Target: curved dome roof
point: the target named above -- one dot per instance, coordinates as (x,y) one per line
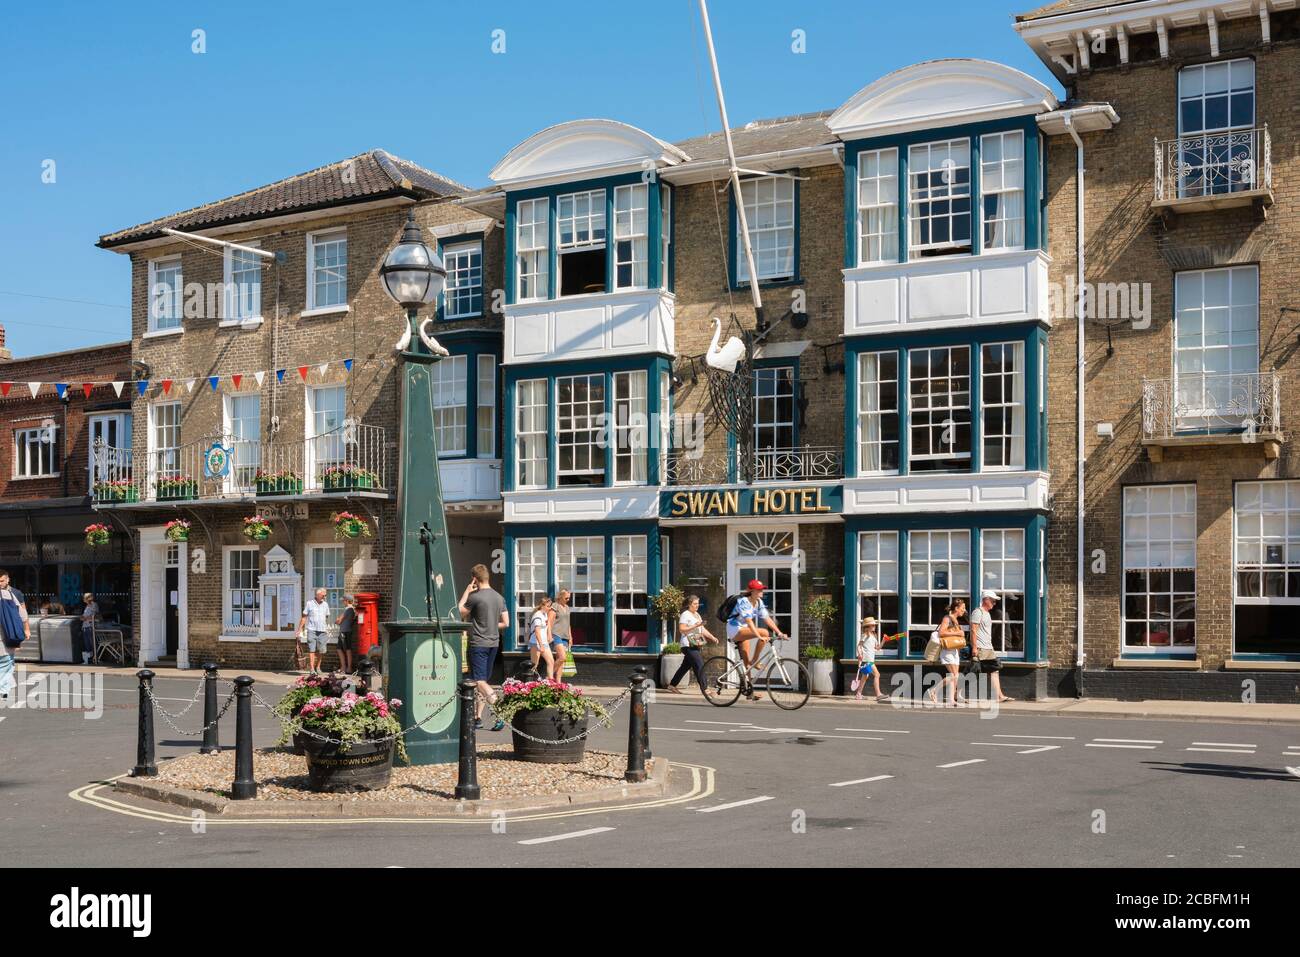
(583,147)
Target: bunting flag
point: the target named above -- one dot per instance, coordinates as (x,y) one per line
(213,380)
(302,373)
(33,388)
(5,387)
(279,375)
(189,385)
(142,386)
(236,379)
(61,388)
(322,367)
(259,376)
(87,388)
(117,387)
(347,364)
(167,386)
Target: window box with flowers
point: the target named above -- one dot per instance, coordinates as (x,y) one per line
(256,528)
(348,733)
(348,477)
(283,482)
(115,490)
(347,525)
(98,535)
(175,487)
(177,530)
(545,717)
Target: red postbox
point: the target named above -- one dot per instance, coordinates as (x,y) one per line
(367,621)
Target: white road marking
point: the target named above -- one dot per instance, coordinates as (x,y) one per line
(1135,747)
(692,730)
(743,724)
(728,807)
(1224,750)
(565,837)
(878,777)
(1221,744)
(996,744)
(2,717)
(958,764)
(1037,737)
(1129,740)
(844,737)
(874,730)
(1041,748)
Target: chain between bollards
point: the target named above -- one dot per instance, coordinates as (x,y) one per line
(636,732)
(145,767)
(467,774)
(210,745)
(244,786)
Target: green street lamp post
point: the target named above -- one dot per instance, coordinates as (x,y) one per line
(423,651)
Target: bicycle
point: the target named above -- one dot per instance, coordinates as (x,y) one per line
(786,680)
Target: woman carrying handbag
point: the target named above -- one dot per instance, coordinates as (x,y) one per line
(951,641)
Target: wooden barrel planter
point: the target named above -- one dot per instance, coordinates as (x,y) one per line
(548,724)
(364,766)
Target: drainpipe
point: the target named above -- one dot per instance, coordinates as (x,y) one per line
(1081,364)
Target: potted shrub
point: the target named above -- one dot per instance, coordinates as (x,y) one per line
(347,525)
(821,660)
(173,487)
(666,607)
(97,535)
(363,730)
(551,711)
(115,490)
(669,662)
(281,482)
(256,528)
(348,477)
(177,530)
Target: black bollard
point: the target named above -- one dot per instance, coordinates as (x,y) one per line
(144,759)
(636,736)
(244,786)
(210,744)
(647,685)
(467,776)
(365,672)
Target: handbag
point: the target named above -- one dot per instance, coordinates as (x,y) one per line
(953,642)
(932,647)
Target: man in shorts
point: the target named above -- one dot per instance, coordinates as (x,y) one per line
(313,628)
(981,629)
(485,610)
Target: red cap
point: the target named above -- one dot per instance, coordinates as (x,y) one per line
(755,585)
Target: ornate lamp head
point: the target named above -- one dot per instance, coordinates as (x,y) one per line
(412,272)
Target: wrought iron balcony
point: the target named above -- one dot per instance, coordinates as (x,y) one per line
(1214,170)
(348,460)
(805,464)
(1212,409)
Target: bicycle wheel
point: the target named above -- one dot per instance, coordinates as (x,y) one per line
(721,681)
(788,684)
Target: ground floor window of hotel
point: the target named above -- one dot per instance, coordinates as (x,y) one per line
(877,412)
(579,416)
(939,409)
(939,569)
(325,570)
(1160,568)
(241,597)
(630,624)
(531,435)
(1267,594)
(878,584)
(1002,568)
(580,568)
(530,583)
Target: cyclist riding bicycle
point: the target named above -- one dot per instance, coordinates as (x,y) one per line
(750,621)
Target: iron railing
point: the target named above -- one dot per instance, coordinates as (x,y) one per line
(1248,403)
(1213,164)
(809,463)
(351,458)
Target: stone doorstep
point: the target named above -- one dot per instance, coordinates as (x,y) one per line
(655,785)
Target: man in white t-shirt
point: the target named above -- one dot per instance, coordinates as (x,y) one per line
(313,627)
(981,629)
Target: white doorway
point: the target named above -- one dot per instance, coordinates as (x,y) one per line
(769,554)
(164,604)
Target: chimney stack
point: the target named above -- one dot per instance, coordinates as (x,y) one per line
(5,354)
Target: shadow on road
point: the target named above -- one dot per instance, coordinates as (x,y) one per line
(1239,771)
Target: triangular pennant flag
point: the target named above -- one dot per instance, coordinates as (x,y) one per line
(5,387)
(167,386)
(61,388)
(117,387)
(259,376)
(302,373)
(212,381)
(237,378)
(142,386)
(87,388)
(33,388)
(189,385)
(347,364)
(322,367)
(279,375)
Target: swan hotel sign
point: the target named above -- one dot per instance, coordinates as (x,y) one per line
(764,501)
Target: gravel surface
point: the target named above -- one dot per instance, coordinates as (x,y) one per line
(282,776)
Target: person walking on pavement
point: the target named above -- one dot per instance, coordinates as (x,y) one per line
(485,610)
(950,628)
(981,629)
(539,637)
(347,625)
(14,630)
(89,615)
(561,635)
(314,625)
(868,645)
(693,635)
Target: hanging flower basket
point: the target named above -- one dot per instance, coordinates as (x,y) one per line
(347,525)
(177,530)
(256,528)
(97,535)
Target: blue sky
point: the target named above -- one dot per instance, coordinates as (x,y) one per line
(139,126)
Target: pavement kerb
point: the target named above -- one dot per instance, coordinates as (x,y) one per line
(656,785)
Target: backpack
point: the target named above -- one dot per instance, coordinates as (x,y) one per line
(727,607)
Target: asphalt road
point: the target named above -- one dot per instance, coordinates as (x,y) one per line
(827,785)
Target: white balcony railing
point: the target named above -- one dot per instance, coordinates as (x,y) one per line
(1213,164)
(1245,403)
(348,459)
